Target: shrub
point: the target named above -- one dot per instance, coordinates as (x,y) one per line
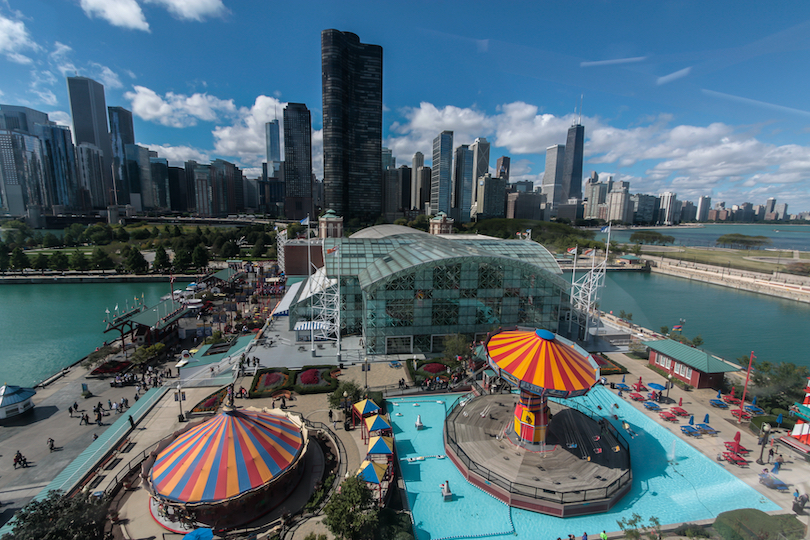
(434,367)
(316,380)
(309,377)
(751,524)
(267,381)
(690,530)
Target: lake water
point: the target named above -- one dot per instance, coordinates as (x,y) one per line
(44,328)
(732,323)
(781,236)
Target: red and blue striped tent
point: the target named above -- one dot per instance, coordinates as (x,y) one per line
(232,453)
(542,363)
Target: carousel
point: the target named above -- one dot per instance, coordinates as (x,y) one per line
(226,471)
(531,444)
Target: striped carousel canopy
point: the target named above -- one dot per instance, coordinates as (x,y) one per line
(542,362)
(232,453)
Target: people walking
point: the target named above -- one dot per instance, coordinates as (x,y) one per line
(770,455)
(131,421)
(76,406)
(50,444)
(70,410)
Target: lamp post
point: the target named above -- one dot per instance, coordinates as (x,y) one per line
(669,384)
(765,431)
(180,400)
(365,370)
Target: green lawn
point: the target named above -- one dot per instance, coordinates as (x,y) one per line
(730,258)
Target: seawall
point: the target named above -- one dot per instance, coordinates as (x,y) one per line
(90,278)
(793,288)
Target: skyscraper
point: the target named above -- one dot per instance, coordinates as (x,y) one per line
(461,196)
(352,124)
(122,133)
(440,183)
(480,152)
(273,148)
(298,161)
(62,177)
(703,207)
(22,118)
(572,167)
(418,161)
(88,107)
(502,168)
(553,177)
(22,172)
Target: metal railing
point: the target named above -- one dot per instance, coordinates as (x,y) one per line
(555,496)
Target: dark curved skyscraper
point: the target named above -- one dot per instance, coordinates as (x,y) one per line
(352,125)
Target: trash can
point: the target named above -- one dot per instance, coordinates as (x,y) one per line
(612,385)
(181,418)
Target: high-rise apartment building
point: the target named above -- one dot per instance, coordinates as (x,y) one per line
(139,176)
(88,108)
(669,212)
(159,169)
(502,167)
(645,209)
(388,159)
(122,133)
(553,177)
(491,198)
(14,117)
(22,174)
(417,161)
(228,186)
(422,177)
(272,141)
(461,194)
(572,167)
(352,124)
(440,181)
(703,207)
(90,161)
(298,161)
(619,208)
(770,205)
(59,161)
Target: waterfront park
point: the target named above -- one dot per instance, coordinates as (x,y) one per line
(525,433)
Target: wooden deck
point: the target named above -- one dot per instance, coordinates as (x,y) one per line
(581,459)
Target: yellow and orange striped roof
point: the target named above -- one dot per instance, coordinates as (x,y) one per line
(541,359)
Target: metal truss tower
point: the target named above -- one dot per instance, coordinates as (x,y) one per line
(281,240)
(585,295)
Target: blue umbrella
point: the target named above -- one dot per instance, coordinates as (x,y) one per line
(692,420)
(719,394)
(656,386)
(706,420)
(779,419)
(755,401)
(622,378)
(775,468)
(200,534)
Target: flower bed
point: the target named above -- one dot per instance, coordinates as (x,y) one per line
(212,402)
(265,382)
(309,377)
(434,367)
(108,368)
(316,379)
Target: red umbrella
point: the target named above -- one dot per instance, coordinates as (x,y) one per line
(737,438)
(732,392)
(680,402)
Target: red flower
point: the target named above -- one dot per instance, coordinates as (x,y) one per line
(310,377)
(434,367)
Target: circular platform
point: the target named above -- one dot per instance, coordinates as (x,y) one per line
(584,467)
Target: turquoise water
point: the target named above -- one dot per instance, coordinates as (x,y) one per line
(732,323)
(44,328)
(782,236)
(688,488)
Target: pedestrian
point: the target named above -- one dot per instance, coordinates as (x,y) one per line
(136,397)
(114,407)
(81,419)
(603,535)
(50,444)
(70,410)
(100,406)
(330,415)
(780,460)
(131,421)
(796,495)
(137,389)
(584,536)
(75,406)
(770,455)
(283,403)
(95,436)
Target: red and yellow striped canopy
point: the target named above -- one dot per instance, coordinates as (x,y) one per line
(232,453)
(542,360)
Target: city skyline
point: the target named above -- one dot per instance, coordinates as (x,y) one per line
(662,115)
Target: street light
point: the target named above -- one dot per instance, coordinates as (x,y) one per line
(669,384)
(365,370)
(765,431)
(180,400)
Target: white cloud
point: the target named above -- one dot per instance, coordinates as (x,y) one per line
(46,96)
(178,155)
(245,138)
(60,117)
(192,10)
(60,57)
(14,39)
(105,76)
(178,110)
(123,13)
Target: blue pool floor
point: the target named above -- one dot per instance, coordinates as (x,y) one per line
(671,480)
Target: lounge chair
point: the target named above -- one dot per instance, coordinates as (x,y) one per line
(691,431)
(395,364)
(736,413)
(636,397)
(731,401)
(773,482)
(623,387)
(651,406)
(736,459)
(736,448)
(707,429)
(753,409)
(717,403)
(666,415)
(679,411)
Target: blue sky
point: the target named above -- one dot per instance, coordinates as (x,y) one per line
(699,98)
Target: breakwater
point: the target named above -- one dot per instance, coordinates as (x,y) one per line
(795,288)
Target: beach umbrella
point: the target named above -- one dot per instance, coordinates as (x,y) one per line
(706,419)
(692,420)
(737,438)
(779,419)
(680,402)
(754,402)
(622,378)
(719,394)
(732,391)
(656,386)
(200,534)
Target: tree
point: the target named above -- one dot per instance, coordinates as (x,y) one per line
(455,346)
(351,388)
(5,260)
(19,260)
(352,513)
(145,354)
(100,260)
(59,261)
(50,240)
(637,250)
(664,330)
(121,234)
(229,249)
(258,248)
(697,341)
(779,384)
(135,262)
(182,259)
(162,261)
(40,262)
(634,527)
(78,261)
(199,257)
(60,517)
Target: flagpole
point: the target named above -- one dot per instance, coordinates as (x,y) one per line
(745,388)
(571,295)
(311,293)
(338,300)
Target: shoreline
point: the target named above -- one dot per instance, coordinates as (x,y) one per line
(90,278)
